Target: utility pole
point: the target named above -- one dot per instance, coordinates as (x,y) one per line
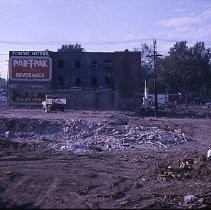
(155,75)
(8,86)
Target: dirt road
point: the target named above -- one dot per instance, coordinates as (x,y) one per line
(146,172)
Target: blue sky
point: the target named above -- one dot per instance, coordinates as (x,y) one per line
(101,25)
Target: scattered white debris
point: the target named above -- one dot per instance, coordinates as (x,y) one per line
(209,155)
(83,136)
(90,136)
(6,135)
(188,199)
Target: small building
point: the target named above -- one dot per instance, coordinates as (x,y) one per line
(88,80)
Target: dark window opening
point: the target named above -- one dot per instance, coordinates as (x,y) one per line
(77,64)
(108,64)
(61,80)
(94,64)
(107,79)
(77,81)
(61,64)
(94,81)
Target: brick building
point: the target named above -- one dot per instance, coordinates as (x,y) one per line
(89,80)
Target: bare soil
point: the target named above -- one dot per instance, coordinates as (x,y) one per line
(36,175)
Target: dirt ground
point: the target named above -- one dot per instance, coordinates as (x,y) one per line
(34,175)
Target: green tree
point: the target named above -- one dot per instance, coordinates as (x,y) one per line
(3,83)
(200,65)
(185,69)
(146,64)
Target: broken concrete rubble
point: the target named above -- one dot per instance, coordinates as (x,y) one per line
(190,199)
(83,136)
(209,155)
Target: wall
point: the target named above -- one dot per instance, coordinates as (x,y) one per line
(127,71)
(68,67)
(101,99)
(89,80)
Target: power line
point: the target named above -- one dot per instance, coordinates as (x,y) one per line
(90,42)
(65,42)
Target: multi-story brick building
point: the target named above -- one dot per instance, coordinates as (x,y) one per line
(89,80)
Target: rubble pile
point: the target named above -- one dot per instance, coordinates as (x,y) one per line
(185,169)
(80,135)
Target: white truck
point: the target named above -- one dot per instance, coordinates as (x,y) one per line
(54,103)
(164,100)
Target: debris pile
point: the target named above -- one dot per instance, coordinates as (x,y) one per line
(185,169)
(189,201)
(80,135)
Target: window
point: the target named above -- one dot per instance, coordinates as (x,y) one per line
(61,80)
(108,64)
(77,81)
(107,79)
(94,81)
(61,64)
(77,64)
(94,64)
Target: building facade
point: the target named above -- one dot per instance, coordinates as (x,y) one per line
(88,80)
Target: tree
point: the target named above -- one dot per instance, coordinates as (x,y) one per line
(3,83)
(71,48)
(185,68)
(200,65)
(146,63)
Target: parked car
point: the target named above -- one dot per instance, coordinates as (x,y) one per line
(53,103)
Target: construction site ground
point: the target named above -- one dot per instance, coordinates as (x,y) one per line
(104,159)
